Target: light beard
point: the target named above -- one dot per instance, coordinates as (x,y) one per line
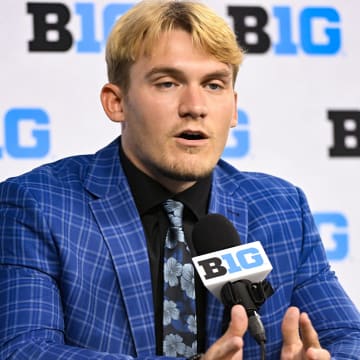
(180,173)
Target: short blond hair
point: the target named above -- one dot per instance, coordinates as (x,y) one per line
(137,32)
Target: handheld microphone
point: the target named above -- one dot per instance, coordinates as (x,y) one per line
(234,273)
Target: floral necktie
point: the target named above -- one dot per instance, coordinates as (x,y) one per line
(179,319)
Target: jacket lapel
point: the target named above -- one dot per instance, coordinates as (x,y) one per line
(120,224)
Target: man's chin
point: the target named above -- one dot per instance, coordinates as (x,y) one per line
(186,174)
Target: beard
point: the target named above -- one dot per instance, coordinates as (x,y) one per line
(182,170)
(183,175)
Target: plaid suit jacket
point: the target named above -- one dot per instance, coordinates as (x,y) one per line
(75,279)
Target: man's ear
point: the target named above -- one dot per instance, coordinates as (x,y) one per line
(112,100)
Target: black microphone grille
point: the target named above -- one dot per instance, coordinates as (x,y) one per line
(214,232)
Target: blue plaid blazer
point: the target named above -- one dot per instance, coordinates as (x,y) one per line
(75,280)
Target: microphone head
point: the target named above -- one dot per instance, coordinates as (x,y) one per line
(221,258)
(214,232)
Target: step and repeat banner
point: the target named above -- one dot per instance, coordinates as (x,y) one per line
(298,90)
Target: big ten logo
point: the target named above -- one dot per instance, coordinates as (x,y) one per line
(238,144)
(26,133)
(229,263)
(314,30)
(334,231)
(50,25)
(346,133)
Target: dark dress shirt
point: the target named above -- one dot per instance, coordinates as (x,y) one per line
(149,196)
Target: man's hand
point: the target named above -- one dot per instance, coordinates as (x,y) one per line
(300,340)
(230,345)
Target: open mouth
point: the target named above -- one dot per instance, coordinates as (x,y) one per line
(191,135)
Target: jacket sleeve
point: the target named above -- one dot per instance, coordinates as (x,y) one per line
(318,292)
(32,324)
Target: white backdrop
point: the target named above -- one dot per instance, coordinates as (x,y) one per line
(299,91)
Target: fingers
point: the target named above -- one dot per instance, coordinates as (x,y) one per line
(300,339)
(230,345)
(239,321)
(311,340)
(290,327)
(308,333)
(318,354)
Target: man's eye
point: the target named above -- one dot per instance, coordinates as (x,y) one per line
(165,84)
(214,86)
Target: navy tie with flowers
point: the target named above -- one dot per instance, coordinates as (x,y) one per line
(179,319)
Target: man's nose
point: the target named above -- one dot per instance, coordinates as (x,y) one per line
(193,102)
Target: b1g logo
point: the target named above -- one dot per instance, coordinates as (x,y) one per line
(333,228)
(318,29)
(238,144)
(229,263)
(50,21)
(26,133)
(346,133)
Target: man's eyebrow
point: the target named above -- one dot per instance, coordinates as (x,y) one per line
(165,70)
(224,74)
(219,74)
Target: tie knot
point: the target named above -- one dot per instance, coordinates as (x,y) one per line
(174,210)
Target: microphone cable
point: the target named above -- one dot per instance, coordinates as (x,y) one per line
(262,350)
(251,296)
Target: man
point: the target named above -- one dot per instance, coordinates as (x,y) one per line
(81,239)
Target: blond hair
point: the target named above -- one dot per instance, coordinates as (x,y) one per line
(137,32)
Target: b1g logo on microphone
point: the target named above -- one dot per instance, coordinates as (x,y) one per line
(26,133)
(243,259)
(240,262)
